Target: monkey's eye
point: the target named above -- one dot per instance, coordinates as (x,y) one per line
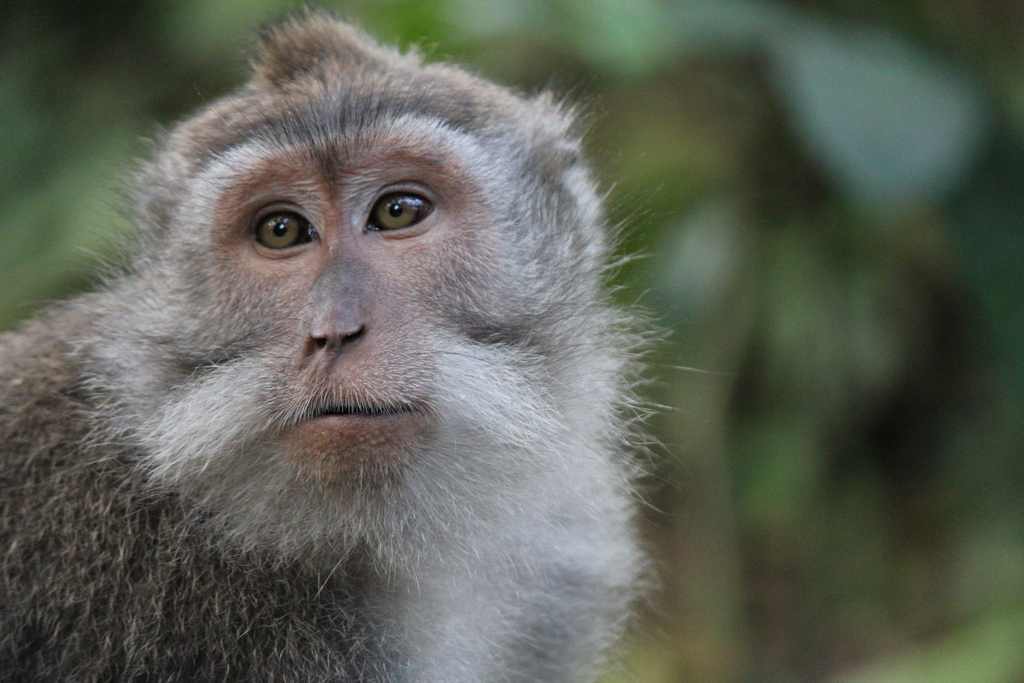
(284,229)
(397,211)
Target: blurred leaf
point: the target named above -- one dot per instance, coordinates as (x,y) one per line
(483,19)
(990,651)
(895,126)
(782,476)
(62,229)
(728,25)
(990,244)
(705,255)
(625,36)
(805,322)
(989,564)
(403,21)
(205,31)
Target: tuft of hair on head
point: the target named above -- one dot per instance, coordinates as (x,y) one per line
(314,42)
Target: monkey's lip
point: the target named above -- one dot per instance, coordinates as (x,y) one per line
(356,426)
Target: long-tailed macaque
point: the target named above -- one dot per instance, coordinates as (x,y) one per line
(355,408)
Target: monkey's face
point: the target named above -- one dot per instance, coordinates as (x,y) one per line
(361,281)
(349,266)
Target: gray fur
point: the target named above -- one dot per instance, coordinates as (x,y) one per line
(150,528)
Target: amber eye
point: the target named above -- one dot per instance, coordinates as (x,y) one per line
(284,229)
(397,211)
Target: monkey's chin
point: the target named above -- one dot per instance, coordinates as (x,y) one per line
(354,449)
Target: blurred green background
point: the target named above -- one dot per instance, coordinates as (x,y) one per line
(827,201)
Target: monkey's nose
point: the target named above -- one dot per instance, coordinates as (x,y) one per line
(334,342)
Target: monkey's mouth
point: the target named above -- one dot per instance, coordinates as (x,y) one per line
(380,411)
(341,442)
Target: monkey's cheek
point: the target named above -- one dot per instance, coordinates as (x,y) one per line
(347,450)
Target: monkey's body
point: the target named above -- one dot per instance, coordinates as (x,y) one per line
(102,581)
(291,442)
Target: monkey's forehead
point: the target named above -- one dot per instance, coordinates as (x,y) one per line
(411,146)
(336,110)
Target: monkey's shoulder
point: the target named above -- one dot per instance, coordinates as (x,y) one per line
(42,398)
(102,578)
(63,494)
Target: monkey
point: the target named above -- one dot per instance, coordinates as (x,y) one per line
(355,405)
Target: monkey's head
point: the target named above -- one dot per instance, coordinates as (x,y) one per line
(362,284)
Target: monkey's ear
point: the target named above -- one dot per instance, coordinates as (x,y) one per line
(313,43)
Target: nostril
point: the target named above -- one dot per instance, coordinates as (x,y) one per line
(334,342)
(354,336)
